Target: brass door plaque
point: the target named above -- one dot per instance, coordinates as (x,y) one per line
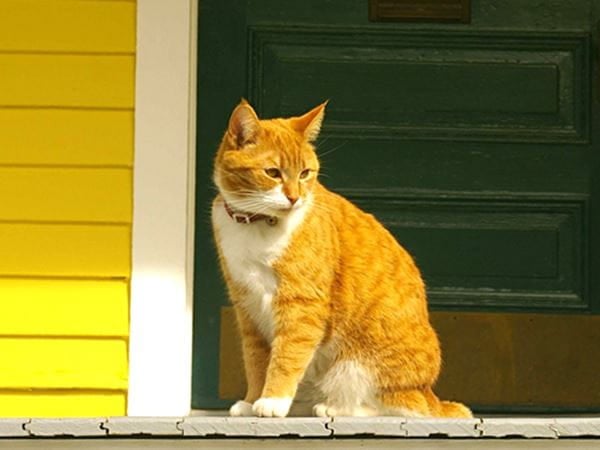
(420,10)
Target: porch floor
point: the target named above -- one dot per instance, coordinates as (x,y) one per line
(308,444)
(215,431)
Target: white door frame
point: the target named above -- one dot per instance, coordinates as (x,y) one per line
(160,349)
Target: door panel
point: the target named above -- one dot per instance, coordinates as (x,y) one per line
(524,253)
(490,86)
(475,144)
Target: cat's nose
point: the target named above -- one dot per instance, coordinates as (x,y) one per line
(292,199)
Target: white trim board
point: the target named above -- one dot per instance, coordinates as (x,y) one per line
(160,352)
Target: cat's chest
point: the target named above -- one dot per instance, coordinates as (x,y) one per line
(250,252)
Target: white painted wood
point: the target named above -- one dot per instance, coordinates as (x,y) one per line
(162,284)
(295,426)
(151,426)
(13,427)
(577,426)
(377,426)
(354,428)
(204,426)
(436,427)
(296,444)
(91,427)
(255,426)
(525,427)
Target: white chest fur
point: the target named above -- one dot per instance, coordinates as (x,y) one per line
(250,250)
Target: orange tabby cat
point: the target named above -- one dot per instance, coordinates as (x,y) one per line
(332,310)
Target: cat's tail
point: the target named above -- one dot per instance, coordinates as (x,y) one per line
(442,408)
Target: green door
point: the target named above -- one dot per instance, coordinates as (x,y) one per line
(471,131)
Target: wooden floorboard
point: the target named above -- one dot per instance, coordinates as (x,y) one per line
(312,444)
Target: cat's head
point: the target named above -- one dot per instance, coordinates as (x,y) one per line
(268,166)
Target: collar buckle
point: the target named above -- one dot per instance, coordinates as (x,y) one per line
(245,218)
(241,218)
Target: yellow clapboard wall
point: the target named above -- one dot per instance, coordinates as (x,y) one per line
(66,137)
(67,71)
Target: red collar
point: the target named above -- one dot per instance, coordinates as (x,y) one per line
(248,218)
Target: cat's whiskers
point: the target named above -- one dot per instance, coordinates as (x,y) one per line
(240,192)
(321,142)
(322,156)
(331,150)
(257,205)
(248,205)
(256,202)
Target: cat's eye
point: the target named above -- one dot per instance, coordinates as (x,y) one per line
(304,174)
(273,172)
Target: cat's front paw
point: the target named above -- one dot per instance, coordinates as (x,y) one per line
(241,409)
(272,406)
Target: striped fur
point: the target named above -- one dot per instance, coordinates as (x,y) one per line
(332,310)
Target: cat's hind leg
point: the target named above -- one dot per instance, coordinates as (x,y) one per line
(405,403)
(420,402)
(348,390)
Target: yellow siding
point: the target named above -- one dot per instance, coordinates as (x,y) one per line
(63,363)
(65,250)
(73,194)
(53,403)
(64,308)
(67,71)
(66,137)
(67,26)
(104,81)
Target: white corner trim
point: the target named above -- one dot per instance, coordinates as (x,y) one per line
(160,351)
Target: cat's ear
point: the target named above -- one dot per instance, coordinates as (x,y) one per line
(243,124)
(309,124)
